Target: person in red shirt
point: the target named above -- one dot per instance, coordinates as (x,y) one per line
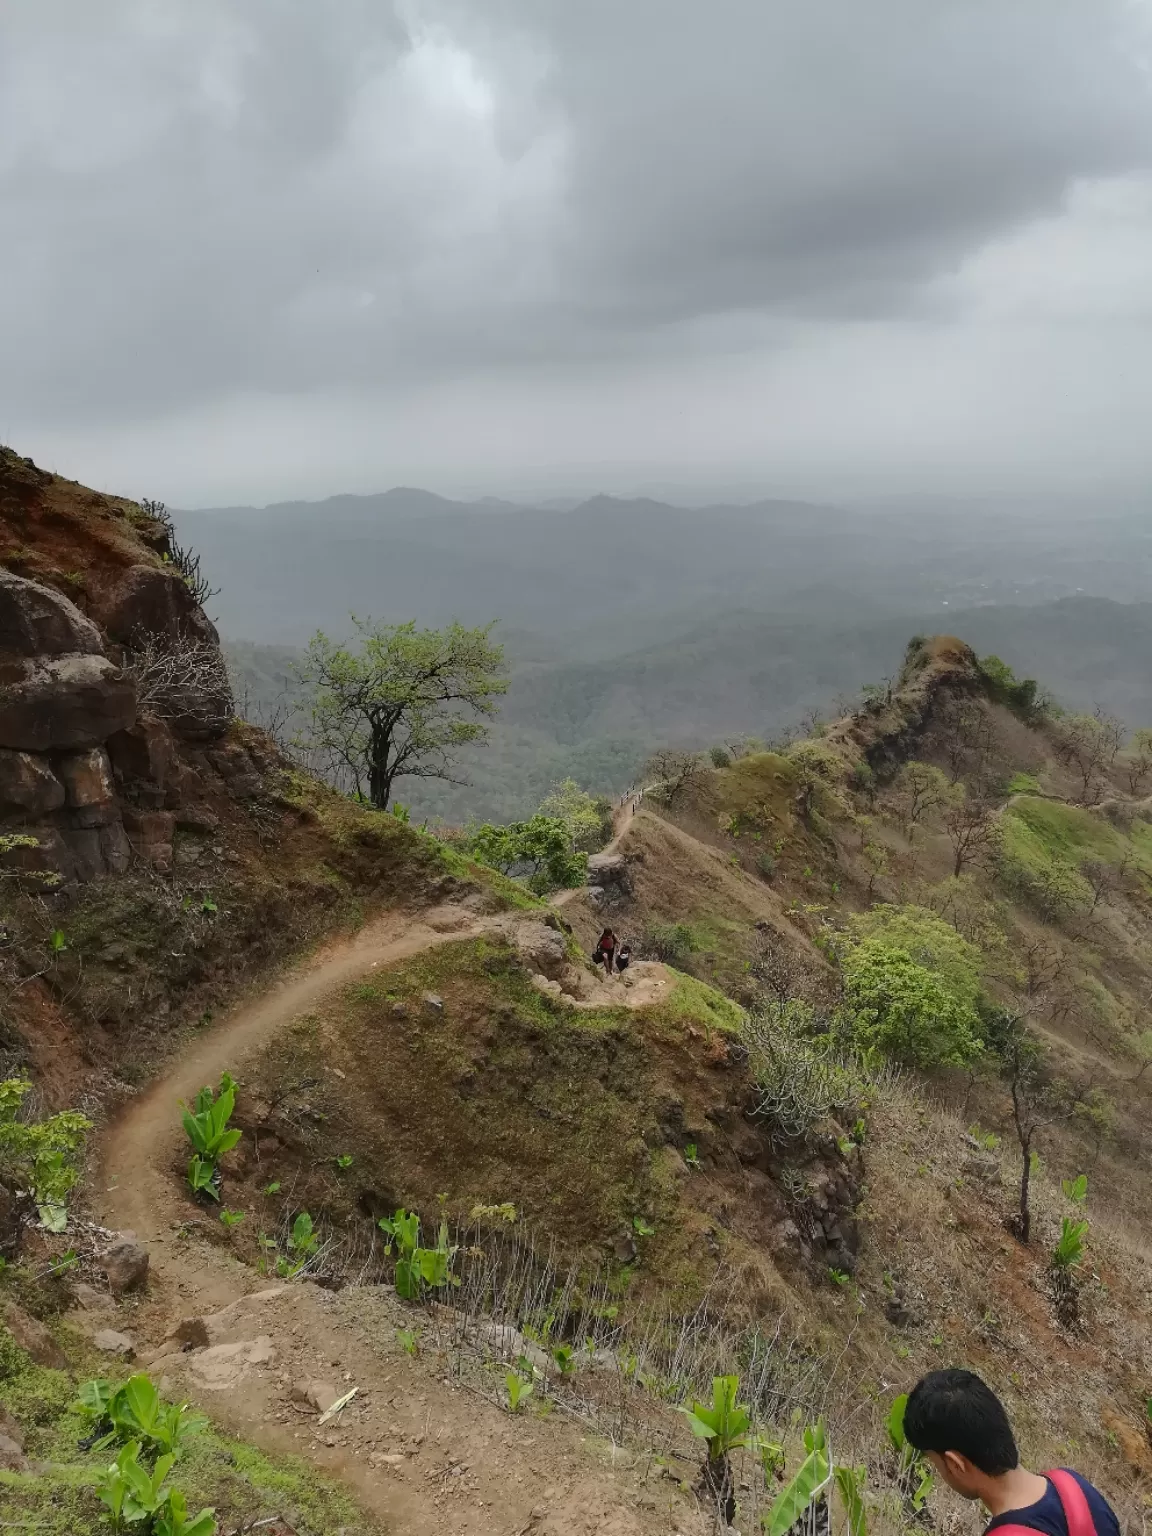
(960,1424)
(606,949)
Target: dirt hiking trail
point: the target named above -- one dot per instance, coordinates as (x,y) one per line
(420,1452)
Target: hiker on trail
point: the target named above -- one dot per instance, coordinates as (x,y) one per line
(961,1426)
(606,949)
(624,956)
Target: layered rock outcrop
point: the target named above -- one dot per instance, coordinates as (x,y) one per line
(113,694)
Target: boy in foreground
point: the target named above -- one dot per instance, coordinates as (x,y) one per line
(960,1425)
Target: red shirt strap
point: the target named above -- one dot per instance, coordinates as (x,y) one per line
(1076,1511)
(1077,1515)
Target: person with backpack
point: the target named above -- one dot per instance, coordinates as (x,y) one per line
(605,951)
(960,1424)
(624,956)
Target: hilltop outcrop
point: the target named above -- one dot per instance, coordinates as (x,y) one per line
(114,702)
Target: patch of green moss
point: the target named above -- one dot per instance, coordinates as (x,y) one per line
(34,1394)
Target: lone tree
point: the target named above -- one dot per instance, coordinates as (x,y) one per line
(398,704)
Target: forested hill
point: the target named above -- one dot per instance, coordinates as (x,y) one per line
(286,571)
(595,716)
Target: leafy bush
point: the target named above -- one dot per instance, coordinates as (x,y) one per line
(135,1411)
(913,1472)
(1076,1189)
(206,1126)
(905,1010)
(673,943)
(39,1156)
(1022,695)
(538,850)
(804,1489)
(588,820)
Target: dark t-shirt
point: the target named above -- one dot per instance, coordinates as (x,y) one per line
(1047,1514)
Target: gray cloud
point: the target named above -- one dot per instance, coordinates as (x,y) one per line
(203,198)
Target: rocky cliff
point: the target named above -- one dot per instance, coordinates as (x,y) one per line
(113,693)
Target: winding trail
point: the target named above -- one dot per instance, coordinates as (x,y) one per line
(137,1148)
(402,1446)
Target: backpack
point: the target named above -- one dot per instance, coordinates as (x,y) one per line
(1077,1515)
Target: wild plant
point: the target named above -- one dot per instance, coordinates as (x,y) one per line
(135,1412)
(565,1357)
(805,1489)
(1063,1262)
(1075,1189)
(135,1496)
(1069,1250)
(231,1218)
(418,1269)
(519,1389)
(409,1341)
(203,1176)
(913,1473)
(850,1484)
(726,1426)
(303,1241)
(206,1123)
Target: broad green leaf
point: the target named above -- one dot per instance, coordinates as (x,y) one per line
(894,1423)
(850,1480)
(797,1495)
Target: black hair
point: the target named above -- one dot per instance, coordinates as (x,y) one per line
(955,1411)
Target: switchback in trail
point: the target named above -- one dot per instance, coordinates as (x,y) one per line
(421,1454)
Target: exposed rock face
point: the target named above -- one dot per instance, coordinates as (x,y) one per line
(608,872)
(27,783)
(33,1338)
(153,600)
(49,703)
(39,621)
(88,768)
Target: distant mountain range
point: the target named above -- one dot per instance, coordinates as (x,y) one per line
(637,569)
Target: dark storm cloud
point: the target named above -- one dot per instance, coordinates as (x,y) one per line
(199,198)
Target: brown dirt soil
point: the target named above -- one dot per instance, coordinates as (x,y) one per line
(457,1462)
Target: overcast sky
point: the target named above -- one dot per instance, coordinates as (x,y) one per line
(252,249)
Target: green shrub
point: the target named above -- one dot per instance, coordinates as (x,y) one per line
(673,943)
(799,1081)
(39,1156)
(539,851)
(901,1008)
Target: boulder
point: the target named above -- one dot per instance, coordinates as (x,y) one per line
(109,1342)
(39,621)
(126,1264)
(609,870)
(145,754)
(90,1299)
(28,784)
(63,702)
(433,1002)
(150,833)
(33,1338)
(981,1166)
(153,600)
(315,1394)
(543,948)
(87,777)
